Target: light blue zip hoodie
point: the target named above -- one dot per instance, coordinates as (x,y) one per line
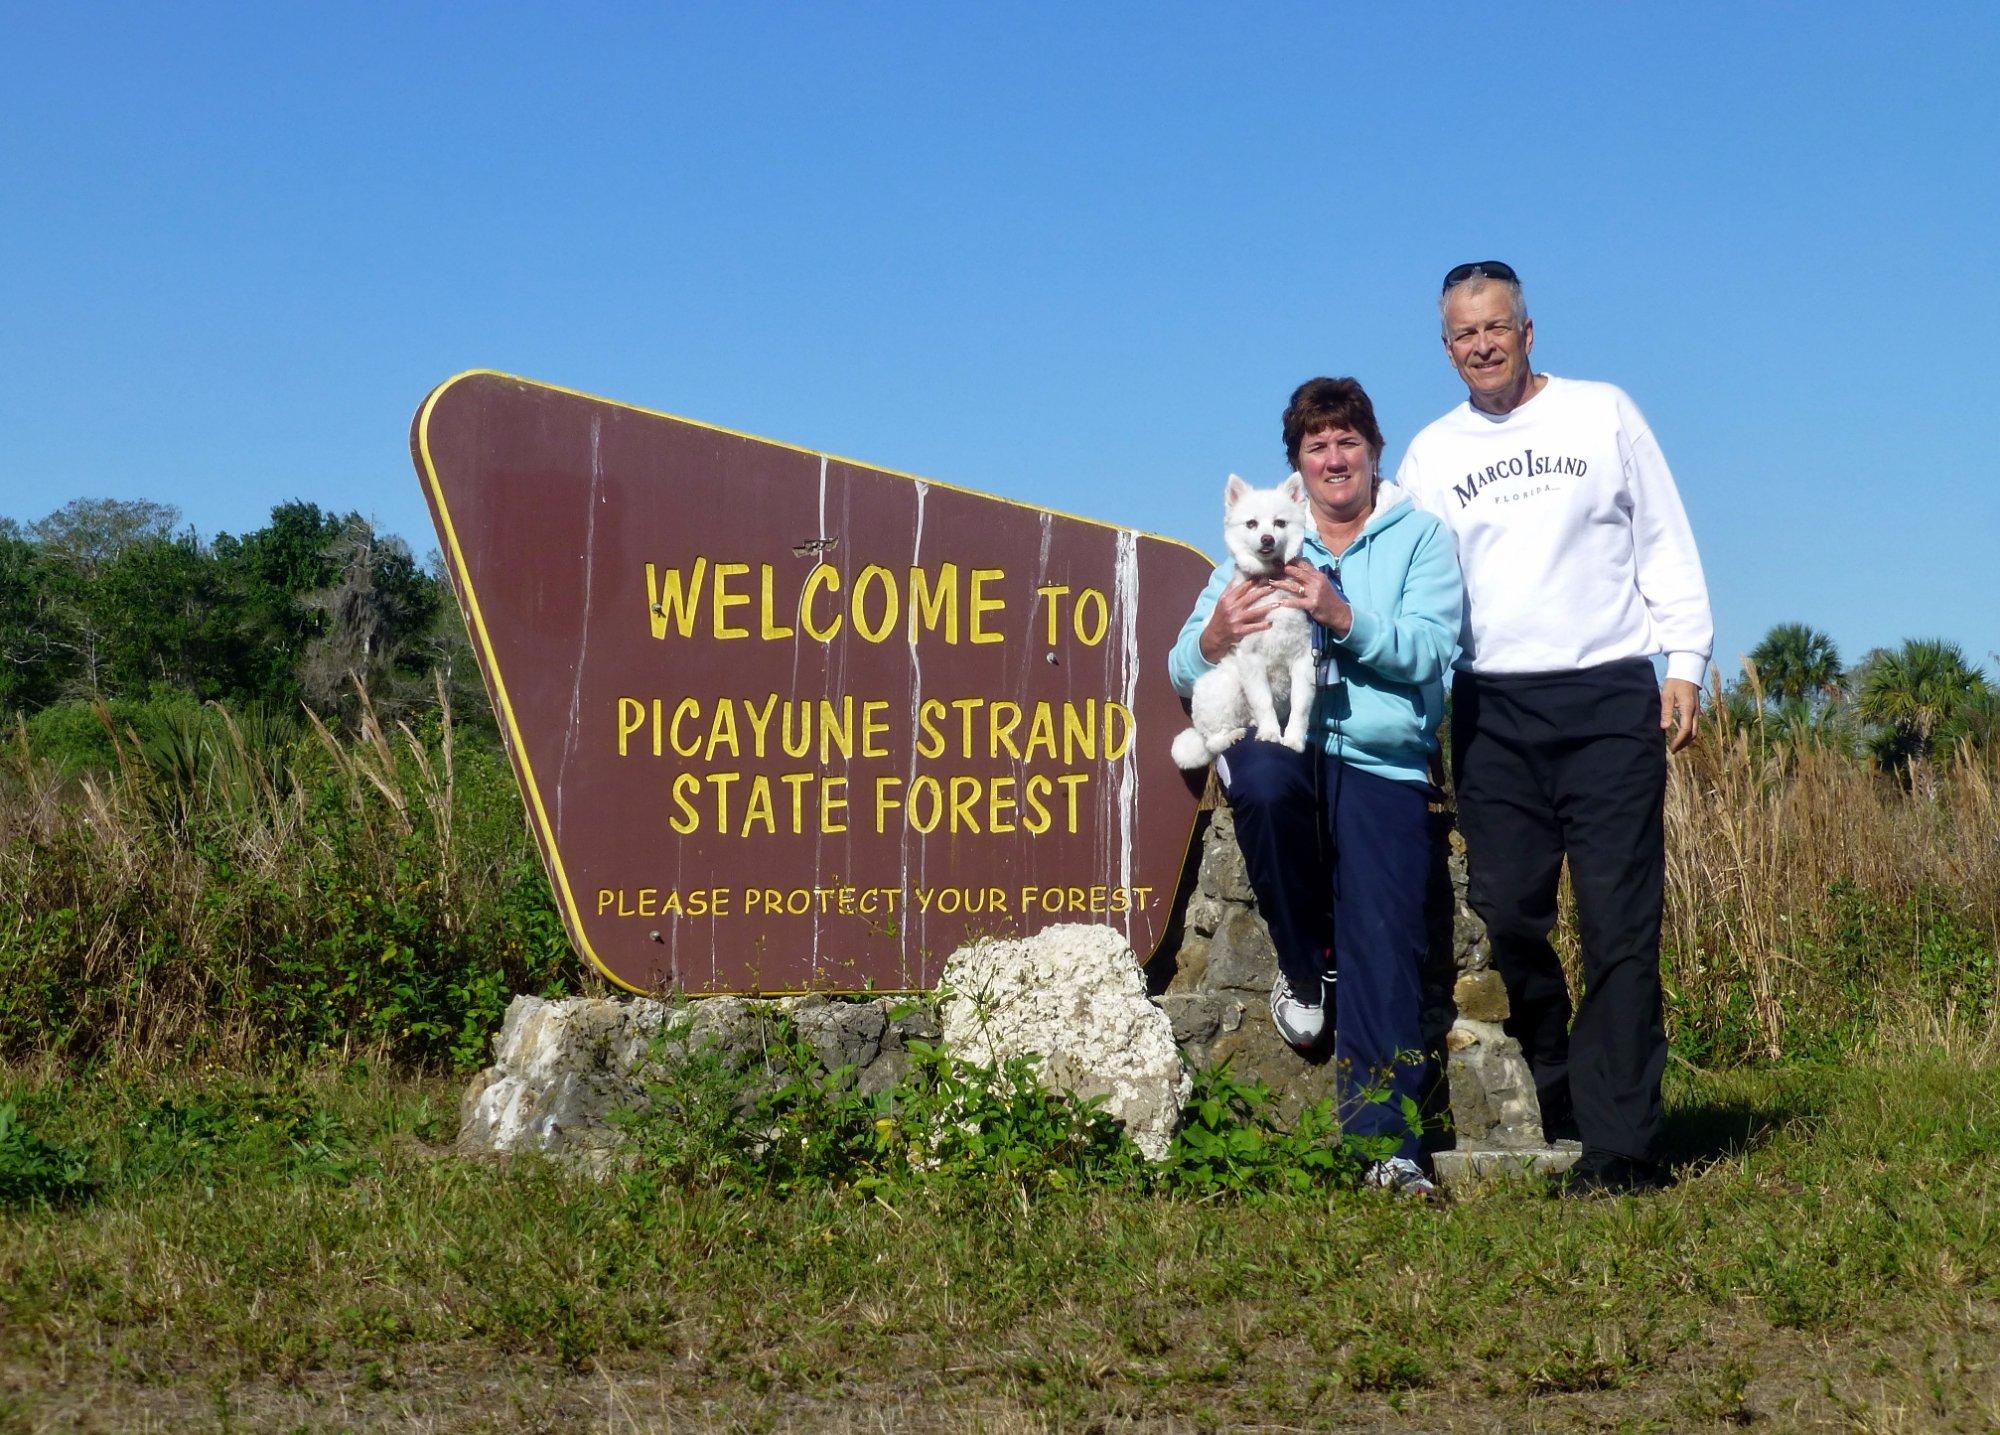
(1401,578)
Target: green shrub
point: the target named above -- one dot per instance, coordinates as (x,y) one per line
(36,1171)
(1853,962)
(1231,1141)
(780,1123)
(1880,954)
(71,737)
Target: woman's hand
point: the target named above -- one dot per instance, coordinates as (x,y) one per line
(1243,608)
(1304,587)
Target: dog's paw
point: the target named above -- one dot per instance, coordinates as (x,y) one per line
(1295,741)
(1190,750)
(1270,734)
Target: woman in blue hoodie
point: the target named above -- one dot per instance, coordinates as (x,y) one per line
(1337,839)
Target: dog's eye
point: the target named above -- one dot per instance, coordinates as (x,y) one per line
(1277,523)
(1250,523)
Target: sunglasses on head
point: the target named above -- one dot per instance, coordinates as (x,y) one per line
(1483,269)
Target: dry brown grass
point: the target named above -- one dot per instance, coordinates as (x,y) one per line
(366,891)
(220,890)
(1807,890)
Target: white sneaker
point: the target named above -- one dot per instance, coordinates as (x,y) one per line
(1299,1024)
(1403,1176)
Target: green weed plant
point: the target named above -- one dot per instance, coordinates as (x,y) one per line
(781,1124)
(34,1170)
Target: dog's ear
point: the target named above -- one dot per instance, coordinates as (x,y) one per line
(1232,492)
(1295,488)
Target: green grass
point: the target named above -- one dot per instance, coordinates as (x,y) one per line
(301,1250)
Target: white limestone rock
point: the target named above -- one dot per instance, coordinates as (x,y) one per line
(1493,1100)
(559,1068)
(1074,996)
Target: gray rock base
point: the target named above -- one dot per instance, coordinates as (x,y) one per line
(1215,982)
(1469,1166)
(1072,996)
(560,1068)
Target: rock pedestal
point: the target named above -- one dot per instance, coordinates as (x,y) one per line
(1496,1118)
(1073,995)
(1215,987)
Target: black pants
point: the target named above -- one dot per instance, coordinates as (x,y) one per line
(1341,876)
(1573,764)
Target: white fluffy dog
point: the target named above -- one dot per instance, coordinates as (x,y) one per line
(1269,672)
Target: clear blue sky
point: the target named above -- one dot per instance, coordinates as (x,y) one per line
(1076,255)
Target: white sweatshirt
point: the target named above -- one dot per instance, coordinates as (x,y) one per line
(1571,534)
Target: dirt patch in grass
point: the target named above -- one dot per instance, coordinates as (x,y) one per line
(1733,1373)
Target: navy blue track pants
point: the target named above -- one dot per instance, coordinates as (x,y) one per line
(1341,884)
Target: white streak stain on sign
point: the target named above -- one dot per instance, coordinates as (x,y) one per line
(592,501)
(826,687)
(1028,624)
(1125,602)
(1027,667)
(916,703)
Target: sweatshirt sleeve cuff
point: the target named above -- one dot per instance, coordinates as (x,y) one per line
(1362,631)
(1688,667)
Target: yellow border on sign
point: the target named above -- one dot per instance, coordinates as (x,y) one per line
(506,705)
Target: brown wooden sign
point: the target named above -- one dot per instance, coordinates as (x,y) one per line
(784,722)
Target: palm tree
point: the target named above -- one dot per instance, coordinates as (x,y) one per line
(1798,665)
(1919,693)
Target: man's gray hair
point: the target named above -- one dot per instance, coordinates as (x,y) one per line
(1480,276)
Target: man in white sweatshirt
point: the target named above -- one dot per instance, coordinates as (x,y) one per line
(1579,569)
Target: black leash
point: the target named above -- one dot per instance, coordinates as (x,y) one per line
(1326,676)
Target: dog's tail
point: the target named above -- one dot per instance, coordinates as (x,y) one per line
(1191,750)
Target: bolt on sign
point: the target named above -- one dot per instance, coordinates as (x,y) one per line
(785,722)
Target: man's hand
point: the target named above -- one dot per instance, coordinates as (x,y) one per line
(1304,587)
(1680,712)
(1243,608)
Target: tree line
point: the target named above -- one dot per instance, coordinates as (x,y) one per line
(115,599)
(1905,706)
